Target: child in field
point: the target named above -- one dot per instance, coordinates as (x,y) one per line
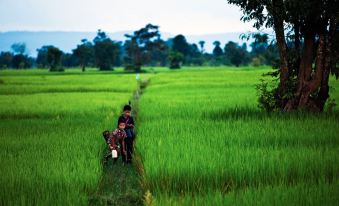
(116,141)
(129,121)
(106,134)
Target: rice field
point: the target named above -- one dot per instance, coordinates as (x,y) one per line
(203,141)
(201,138)
(51,146)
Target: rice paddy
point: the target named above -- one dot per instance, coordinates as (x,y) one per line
(50,138)
(201,139)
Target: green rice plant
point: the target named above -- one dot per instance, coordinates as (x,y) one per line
(51,146)
(202,132)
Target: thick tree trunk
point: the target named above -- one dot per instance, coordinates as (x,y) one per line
(278,18)
(312,90)
(323,94)
(312,82)
(304,73)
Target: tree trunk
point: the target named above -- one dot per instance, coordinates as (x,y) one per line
(278,18)
(323,94)
(312,89)
(304,73)
(310,86)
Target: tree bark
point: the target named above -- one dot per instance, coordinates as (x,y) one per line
(278,18)
(323,94)
(304,73)
(312,82)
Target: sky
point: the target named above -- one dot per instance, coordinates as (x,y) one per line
(189,17)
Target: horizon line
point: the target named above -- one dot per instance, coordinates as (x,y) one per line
(122,31)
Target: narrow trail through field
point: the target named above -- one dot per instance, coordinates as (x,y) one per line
(120,183)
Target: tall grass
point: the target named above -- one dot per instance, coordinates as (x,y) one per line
(202,133)
(201,137)
(50,137)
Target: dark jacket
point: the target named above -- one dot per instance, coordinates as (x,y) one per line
(128,121)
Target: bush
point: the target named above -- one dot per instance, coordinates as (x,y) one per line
(267,97)
(176,59)
(257,61)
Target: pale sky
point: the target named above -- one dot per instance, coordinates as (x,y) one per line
(173,16)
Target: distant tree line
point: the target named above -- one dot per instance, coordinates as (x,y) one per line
(17,58)
(143,47)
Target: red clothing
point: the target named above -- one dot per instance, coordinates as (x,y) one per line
(118,137)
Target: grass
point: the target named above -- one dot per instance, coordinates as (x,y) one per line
(120,185)
(50,138)
(301,194)
(201,139)
(202,133)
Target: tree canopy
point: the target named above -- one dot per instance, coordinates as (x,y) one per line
(54,55)
(84,53)
(106,51)
(306,62)
(140,46)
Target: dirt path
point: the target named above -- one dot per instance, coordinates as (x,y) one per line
(119,186)
(121,183)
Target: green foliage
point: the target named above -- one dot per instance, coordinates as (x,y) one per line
(217,51)
(298,194)
(84,53)
(257,61)
(54,59)
(306,34)
(263,52)
(180,44)
(192,55)
(143,48)
(51,144)
(189,139)
(119,185)
(270,98)
(267,100)
(18,59)
(41,59)
(203,141)
(106,51)
(236,54)
(176,59)
(69,61)
(5,60)
(21,61)
(260,43)
(142,45)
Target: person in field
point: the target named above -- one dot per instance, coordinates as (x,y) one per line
(116,141)
(129,129)
(106,134)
